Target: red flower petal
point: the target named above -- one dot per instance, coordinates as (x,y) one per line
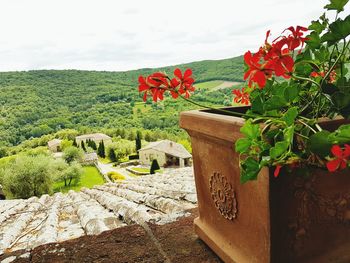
(260,78)
(346,152)
(174,83)
(342,164)
(333,165)
(174,94)
(187,73)
(277,170)
(145,96)
(337,151)
(177,73)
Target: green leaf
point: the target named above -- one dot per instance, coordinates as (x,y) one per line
(341,100)
(265,160)
(251,131)
(258,105)
(242,145)
(275,103)
(317,26)
(321,55)
(279,149)
(290,115)
(336,5)
(314,40)
(343,83)
(249,170)
(319,143)
(289,134)
(341,135)
(339,29)
(290,93)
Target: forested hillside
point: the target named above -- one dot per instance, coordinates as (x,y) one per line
(36,103)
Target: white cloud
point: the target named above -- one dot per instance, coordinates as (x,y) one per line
(122,35)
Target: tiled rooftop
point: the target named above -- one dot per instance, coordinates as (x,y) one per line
(158,199)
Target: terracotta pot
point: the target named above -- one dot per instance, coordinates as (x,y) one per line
(292,218)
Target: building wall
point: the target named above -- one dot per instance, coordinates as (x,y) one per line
(55,148)
(146,157)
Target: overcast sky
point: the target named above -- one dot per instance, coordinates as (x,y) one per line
(119,35)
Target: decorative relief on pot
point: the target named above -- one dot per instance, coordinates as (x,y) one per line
(316,208)
(223,196)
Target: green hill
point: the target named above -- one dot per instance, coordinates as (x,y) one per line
(35,103)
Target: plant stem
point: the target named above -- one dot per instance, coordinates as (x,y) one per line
(336,61)
(307,125)
(306,79)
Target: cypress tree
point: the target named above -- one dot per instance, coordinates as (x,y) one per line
(88,142)
(112,155)
(93,145)
(154,166)
(83,146)
(101,150)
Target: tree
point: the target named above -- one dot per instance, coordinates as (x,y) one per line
(138,141)
(28,176)
(101,150)
(68,134)
(154,166)
(148,137)
(3,152)
(131,136)
(89,143)
(83,146)
(57,169)
(112,155)
(65,144)
(93,145)
(72,153)
(73,174)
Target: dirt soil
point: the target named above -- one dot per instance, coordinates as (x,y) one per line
(174,242)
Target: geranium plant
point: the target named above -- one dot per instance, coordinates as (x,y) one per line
(292,83)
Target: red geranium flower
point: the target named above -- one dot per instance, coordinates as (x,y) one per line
(296,38)
(340,161)
(315,74)
(155,85)
(331,78)
(144,87)
(186,82)
(256,72)
(241,96)
(279,59)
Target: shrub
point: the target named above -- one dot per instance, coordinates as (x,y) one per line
(114,176)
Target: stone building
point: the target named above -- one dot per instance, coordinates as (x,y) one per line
(54,145)
(167,153)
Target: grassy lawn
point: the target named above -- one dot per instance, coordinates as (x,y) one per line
(141,170)
(90,177)
(144,170)
(208,84)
